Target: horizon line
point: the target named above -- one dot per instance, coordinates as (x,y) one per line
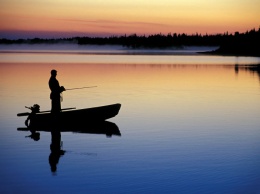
(7,34)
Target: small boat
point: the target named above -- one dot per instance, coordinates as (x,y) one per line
(73,117)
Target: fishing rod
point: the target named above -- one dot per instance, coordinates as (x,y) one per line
(81,88)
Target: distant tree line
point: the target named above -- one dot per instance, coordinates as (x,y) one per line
(176,40)
(38,41)
(238,43)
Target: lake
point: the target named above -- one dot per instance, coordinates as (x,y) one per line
(189,123)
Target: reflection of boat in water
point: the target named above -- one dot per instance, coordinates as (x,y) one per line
(72,117)
(104,127)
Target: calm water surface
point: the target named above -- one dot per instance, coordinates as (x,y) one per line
(189,124)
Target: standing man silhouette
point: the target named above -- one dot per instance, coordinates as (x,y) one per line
(56,90)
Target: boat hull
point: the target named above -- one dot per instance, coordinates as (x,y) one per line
(76,117)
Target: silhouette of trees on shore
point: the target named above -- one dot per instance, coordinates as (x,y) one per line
(156,40)
(38,41)
(231,44)
(241,44)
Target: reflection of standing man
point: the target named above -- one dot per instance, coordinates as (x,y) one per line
(56,151)
(56,90)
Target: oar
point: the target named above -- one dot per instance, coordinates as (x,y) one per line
(81,88)
(27,113)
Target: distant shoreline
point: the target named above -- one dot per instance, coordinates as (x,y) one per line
(237,44)
(230,53)
(131,51)
(99,49)
(237,49)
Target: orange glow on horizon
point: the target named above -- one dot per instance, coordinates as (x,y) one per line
(123,17)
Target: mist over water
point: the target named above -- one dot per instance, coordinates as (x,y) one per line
(105,54)
(100,49)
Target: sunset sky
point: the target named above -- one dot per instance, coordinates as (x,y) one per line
(68,18)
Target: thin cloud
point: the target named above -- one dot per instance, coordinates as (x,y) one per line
(114,23)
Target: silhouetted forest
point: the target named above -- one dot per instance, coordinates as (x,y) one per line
(247,43)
